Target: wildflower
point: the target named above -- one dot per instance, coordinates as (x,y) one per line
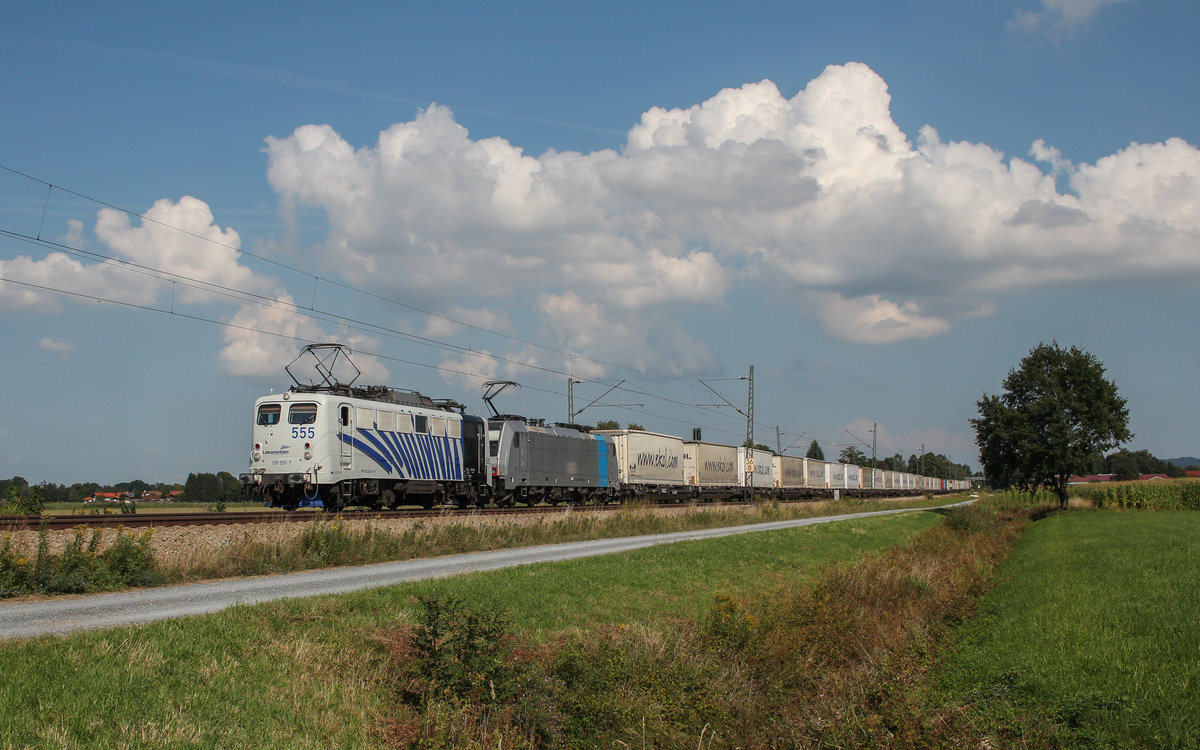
(21,561)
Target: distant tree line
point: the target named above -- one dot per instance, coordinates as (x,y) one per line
(199,488)
(1126,464)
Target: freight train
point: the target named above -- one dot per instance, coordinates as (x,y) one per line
(334,445)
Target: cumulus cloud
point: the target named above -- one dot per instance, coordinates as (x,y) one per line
(820,199)
(873,320)
(175,254)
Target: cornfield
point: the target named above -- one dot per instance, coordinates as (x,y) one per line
(1164,494)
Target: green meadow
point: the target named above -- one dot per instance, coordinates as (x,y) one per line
(1091,637)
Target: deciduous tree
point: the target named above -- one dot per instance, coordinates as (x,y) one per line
(1056,413)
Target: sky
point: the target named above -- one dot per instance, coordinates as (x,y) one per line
(879,206)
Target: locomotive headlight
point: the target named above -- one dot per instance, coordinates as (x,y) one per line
(307,455)
(256,455)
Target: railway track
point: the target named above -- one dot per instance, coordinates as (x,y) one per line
(209,518)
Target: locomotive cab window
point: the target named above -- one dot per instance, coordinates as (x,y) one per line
(494,442)
(422,423)
(268,414)
(302,414)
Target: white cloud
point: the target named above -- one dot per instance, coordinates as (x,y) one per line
(54,346)
(819,198)
(180,240)
(262,339)
(454,318)
(1059,16)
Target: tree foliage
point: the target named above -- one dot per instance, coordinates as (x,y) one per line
(851,454)
(814,451)
(1057,412)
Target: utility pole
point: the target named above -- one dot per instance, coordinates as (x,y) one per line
(750,410)
(571,381)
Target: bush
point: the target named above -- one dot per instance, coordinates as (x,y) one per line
(78,569)
(461,652)
(24,502)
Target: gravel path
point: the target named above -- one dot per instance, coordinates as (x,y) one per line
(30,618)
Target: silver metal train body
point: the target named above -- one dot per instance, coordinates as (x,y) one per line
(531,462)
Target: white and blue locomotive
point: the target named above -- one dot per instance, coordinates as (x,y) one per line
(339,446)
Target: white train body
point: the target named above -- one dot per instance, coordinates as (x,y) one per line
(362,447)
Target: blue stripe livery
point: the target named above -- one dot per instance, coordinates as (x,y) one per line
(602,460)
(409,455)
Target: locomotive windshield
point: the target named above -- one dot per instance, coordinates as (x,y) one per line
(268,414)
(302,414)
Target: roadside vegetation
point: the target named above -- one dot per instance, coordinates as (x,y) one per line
(80,567)
(837,660)
(328,541)
(329,671)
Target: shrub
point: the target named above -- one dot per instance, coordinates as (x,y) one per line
(462,652)
(24,502)
(78,569)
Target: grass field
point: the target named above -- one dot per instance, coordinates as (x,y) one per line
(1092,637)
(318,673)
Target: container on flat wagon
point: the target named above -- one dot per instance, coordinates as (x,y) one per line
(837,475)
(648,458)
(757,467)
(853,477)
(788,471)
(873,479)
(711,465)
(817,474)
(889,480)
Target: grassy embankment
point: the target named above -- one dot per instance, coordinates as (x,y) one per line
(83,567)
(330,671)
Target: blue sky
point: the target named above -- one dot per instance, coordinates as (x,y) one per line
(882,206)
